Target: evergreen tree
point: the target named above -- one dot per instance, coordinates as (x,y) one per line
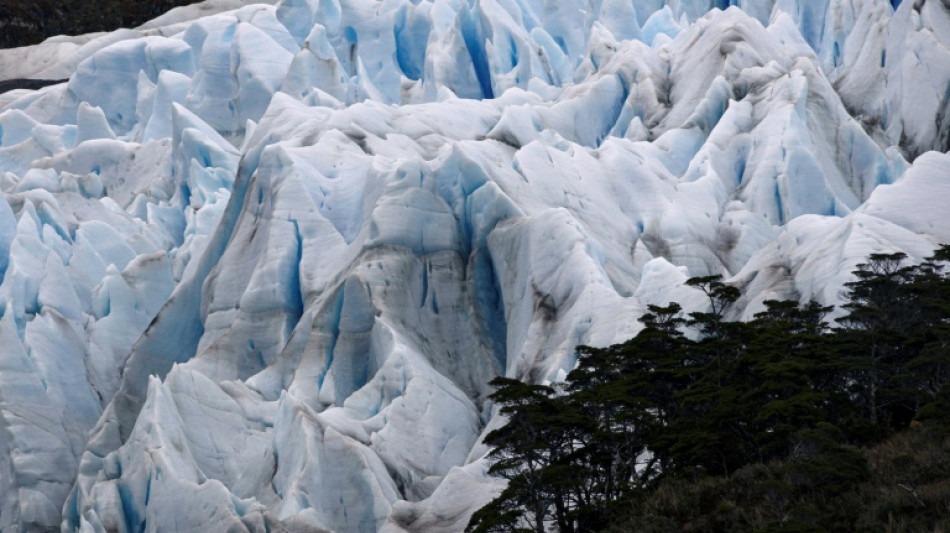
(930,365)
(793,383)
(882,310)
(710,430)
(626,392)
(536,452)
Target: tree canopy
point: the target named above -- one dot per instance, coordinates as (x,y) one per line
(786,404)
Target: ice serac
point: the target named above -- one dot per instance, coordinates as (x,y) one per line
(257,267)
(813,256)
(917,105)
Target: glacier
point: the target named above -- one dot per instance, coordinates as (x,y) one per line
(259,260)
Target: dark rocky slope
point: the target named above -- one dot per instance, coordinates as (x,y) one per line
(26,23)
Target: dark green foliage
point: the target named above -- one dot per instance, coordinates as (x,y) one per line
(777,424)
(540,451)
(899,485)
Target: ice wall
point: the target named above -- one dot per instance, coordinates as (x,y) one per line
(256,270)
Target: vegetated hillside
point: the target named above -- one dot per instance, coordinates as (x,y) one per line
(899,485)
(782,423)
(26,23)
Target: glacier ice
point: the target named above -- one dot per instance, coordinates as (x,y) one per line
(258,261)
